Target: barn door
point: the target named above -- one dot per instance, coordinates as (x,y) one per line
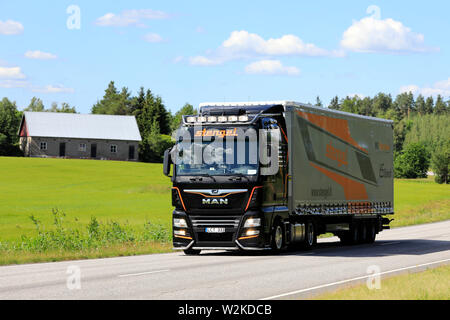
(93,150)
(62,149)
(131,152)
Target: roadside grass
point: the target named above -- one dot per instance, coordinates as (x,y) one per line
(129,195)
(432,284)
(418,201)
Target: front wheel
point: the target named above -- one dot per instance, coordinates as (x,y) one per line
(277,237)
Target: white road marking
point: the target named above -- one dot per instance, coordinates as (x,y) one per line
(388,243)
(141,273)
(350,280)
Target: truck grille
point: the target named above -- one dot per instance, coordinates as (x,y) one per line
(200,223)
(226,222)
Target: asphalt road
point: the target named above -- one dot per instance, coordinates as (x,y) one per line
(227,275)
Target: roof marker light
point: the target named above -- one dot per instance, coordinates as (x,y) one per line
(232,118)
(243,118)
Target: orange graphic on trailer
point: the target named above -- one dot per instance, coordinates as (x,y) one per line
(336,154)
(353,190)
(337,127)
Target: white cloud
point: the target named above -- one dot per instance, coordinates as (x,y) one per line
(11,73)
(10,27)
(153,38)
(440,87)
(53,89)
(9,84)
(242,44)
(130,17)
(271,67)
(39,55)
(386,36)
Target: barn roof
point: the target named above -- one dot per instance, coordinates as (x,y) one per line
(81,126)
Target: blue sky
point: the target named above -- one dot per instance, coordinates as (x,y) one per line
(197,51)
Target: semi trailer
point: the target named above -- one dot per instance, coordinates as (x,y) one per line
(292,171)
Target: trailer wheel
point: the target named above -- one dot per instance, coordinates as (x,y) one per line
(192,252)
(310,236)
(363,233)
(277,237)
(371,233)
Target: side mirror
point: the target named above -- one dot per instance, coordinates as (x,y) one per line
(167,163)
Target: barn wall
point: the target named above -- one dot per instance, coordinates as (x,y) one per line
(31,147)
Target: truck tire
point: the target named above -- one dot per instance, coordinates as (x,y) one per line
(192,252)
(371,233)
(277,237)
(363,233)
(350,237)
(310,236)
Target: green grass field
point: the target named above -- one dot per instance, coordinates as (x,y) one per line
(432,284)
(125,192)
(133,193)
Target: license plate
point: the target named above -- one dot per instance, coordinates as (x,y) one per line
(215,230)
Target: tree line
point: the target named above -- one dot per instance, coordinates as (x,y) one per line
(421,130)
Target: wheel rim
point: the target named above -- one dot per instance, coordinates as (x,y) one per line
(310,234)
(278,237)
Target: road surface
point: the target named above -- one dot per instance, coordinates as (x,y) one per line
(228,275)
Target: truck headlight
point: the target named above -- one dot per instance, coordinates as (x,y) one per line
(179,223)
(252,223)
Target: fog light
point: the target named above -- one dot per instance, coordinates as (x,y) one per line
(179,232)
(179,223)
(252,232)
(252,223)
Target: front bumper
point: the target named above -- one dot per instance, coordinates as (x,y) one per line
(232,239)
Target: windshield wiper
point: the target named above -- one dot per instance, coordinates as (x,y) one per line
(204,175)
(240,175)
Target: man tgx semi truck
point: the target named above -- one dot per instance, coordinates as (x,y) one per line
(333,174)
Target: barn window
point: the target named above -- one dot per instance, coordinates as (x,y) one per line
(43,145)
(113,148)
(82,147)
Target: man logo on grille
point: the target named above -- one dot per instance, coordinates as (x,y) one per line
(210,201)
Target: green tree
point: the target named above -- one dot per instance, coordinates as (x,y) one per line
(381,104)
(413,162)
(420,105)
(10,119)
(318,102)
(36,105)
(404,104)
(186,110)
(334,104)
(113,101)
(429,105)
(65,108)
(440,163)
(440,107)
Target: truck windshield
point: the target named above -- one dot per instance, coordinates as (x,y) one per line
(217,156)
